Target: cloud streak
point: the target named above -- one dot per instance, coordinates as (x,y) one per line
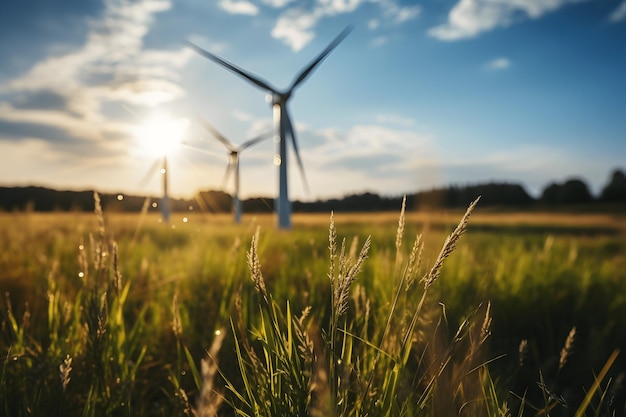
(239,7)
(296,25)
(498,64)
(470,18)
(619,14)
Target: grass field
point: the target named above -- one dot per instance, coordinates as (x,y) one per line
(93,327)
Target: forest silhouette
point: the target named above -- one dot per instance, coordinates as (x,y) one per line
(573,193)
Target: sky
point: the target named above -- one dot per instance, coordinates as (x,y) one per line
(419,95)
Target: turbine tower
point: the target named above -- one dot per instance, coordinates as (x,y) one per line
(282,120)
(233,162)
(160,165)
(165,200)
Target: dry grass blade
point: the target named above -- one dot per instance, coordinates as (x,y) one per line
(485,330)
(210,400)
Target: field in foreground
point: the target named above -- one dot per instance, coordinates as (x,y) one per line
(92,328)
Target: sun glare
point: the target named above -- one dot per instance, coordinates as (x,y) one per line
(161,135)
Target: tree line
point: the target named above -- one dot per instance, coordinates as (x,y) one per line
(572,192)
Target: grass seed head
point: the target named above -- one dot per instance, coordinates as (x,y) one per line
(523,351)
(103,315)
(117,275)
(346,277)
(254,264)
(567,348)
(177,327)
(449,246)
(400,231)
(64,371)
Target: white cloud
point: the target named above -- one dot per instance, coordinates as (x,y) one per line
(112,52)
(618,14)
(363,141)
(239,7)
(90,126)
(110,67)
(407,13)
(498,64)
(277,3)
(374,137)
(332,7)
(149,92)
(295,26)
(399,14)
(375,156)
(470,18)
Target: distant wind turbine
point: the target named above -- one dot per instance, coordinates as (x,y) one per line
(161,166)
(161,135)
(282,120)
(233,162)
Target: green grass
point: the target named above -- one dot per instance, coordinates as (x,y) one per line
(320,336)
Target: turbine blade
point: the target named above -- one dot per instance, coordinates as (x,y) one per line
(150,173)
(291,132)
(217,135)
(307,70)
(254,141)
(227,175)
(203,151)
(239,71)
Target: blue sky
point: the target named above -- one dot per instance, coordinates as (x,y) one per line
(419,95)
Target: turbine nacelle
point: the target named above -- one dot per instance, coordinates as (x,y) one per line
(278,98)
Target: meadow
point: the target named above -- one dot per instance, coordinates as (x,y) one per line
(397,314)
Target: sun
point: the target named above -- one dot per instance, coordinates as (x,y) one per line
(161,134)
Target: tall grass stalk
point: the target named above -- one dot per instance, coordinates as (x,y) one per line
(292,366)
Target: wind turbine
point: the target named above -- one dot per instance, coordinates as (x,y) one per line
(161,135)
(233,162)
(160,165)
(282,120)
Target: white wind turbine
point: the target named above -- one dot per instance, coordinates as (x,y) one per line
(233,162)
(282,120)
